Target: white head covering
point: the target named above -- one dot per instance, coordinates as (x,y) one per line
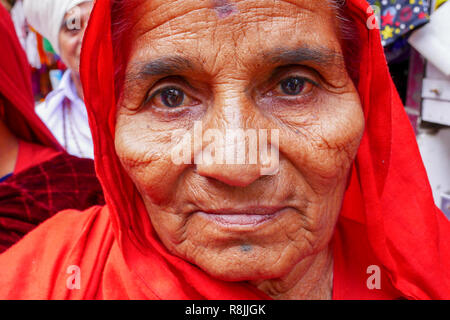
(47,16)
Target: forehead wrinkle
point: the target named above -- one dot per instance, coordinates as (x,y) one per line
(310,6)
(159,13)
(154,16)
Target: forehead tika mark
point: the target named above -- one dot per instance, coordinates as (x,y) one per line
(223,8)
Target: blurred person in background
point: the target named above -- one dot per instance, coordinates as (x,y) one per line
(63,23)
(37,177)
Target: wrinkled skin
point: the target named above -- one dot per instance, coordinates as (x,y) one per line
(232,82)
(71,37)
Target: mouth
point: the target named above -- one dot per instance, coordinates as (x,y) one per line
(251,216)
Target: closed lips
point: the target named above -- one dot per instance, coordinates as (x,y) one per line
(242,217)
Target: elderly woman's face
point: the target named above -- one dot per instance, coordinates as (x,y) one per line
(71,34)
(255,65)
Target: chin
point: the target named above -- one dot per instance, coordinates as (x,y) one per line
(239,274)
(235,269)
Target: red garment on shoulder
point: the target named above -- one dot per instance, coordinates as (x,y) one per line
(34,194)
(31,154)
(388,218)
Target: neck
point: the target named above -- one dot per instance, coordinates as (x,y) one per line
(310,279)
(77,82)
(9,149)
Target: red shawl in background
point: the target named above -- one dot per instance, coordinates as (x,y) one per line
(388,217)
(15,87)
(46,180)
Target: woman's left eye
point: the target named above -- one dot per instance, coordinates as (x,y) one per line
(294,86)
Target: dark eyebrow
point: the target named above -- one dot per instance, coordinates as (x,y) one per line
(320,56)
(175,65)
(164,66)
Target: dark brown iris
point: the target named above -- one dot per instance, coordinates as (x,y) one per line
(292,86)
(172,97)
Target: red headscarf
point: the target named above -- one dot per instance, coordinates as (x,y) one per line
(15,89)
(388,217)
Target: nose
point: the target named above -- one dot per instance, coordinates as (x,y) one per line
(232,144)
(233,175)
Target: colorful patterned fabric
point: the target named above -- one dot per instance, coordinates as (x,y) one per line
(399,17)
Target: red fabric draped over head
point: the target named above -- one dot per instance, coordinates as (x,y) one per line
(16,93)
(388,219)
